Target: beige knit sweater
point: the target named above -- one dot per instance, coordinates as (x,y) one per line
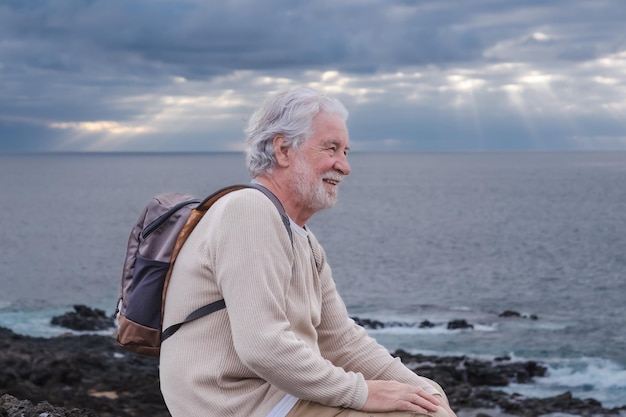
(285,329)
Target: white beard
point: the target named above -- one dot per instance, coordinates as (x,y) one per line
(311,190)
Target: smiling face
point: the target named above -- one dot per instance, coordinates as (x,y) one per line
(321,163)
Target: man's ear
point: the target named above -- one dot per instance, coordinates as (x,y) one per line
(281,150)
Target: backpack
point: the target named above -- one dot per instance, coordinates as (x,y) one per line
(153,246)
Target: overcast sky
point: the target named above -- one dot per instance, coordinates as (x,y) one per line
(432,75)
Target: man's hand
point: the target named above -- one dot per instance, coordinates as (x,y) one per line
(395,396)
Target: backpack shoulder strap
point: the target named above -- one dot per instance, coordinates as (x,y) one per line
(193,220)
(201,312)
(279,207)
(204,206)
(317,256)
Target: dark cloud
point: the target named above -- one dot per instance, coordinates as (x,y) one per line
(118,71)
(218,37)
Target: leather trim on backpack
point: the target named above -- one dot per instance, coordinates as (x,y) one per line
(137,338)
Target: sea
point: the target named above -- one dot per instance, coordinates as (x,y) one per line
(413,237)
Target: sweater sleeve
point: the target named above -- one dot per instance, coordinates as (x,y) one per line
(253,266)
(348,345)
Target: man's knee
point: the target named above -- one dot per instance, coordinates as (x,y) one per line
(312,409)
(441,412)
(436,386)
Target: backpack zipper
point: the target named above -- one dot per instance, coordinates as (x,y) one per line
(156,223)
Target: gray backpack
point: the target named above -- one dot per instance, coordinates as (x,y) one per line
(155,240)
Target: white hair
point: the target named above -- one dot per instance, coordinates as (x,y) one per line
(289,113)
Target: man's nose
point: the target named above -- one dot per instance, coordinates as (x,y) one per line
(342,165)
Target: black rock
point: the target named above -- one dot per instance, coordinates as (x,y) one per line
(12,407)
(368,323)
(89,375)
(470,385)
(510,313)
(84,372)
(459,324)
(84,318)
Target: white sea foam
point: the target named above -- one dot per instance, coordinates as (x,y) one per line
(597,378)
(415,329)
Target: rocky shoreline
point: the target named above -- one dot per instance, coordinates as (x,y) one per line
(89,375)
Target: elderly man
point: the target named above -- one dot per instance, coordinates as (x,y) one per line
(284,345)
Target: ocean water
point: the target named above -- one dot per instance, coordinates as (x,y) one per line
(414,237)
